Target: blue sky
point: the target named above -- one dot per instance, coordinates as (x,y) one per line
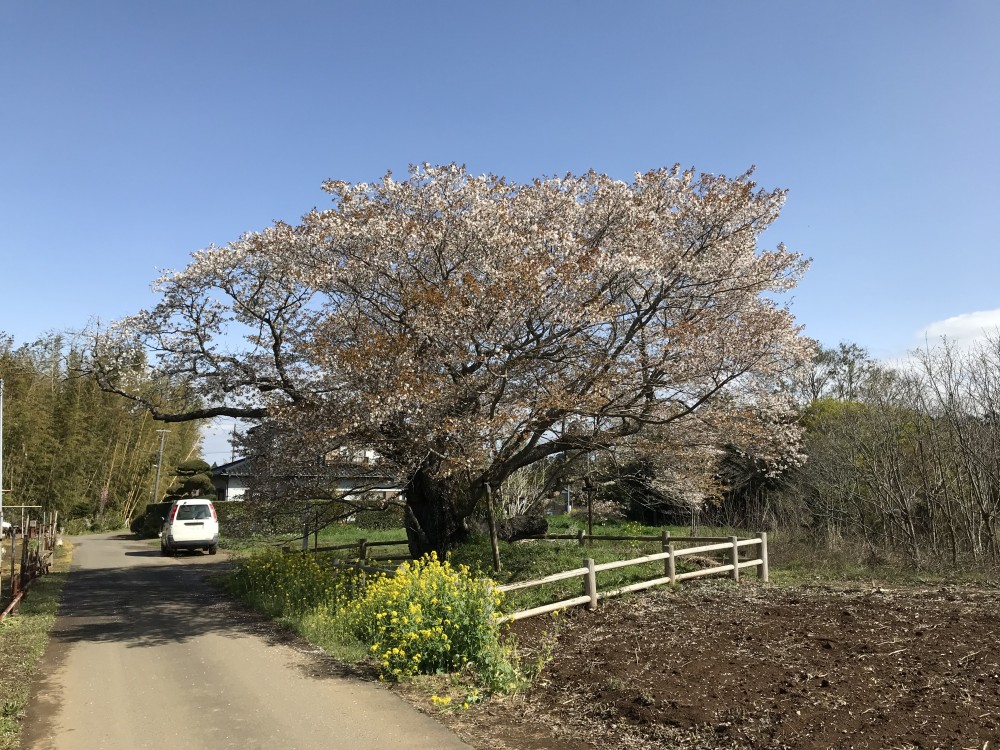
(134,133)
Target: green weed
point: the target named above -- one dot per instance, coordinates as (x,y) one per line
(23,638)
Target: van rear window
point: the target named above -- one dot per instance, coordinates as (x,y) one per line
(193,512)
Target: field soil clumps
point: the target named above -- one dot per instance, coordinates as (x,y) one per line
(717,665)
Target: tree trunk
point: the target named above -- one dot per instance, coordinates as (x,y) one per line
(436,514)
(492,518)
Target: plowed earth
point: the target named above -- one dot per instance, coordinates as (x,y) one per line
(752,666)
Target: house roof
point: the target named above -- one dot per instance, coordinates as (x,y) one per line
(243,467)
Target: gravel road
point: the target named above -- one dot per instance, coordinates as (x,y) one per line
(145,654)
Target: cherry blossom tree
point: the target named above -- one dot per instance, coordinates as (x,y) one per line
(465,327)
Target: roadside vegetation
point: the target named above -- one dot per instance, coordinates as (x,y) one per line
(433,616)
(391,624)
(23,638)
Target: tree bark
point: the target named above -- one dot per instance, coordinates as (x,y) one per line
(437,512)
(491,517)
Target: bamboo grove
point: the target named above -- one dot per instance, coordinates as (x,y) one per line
(70,447)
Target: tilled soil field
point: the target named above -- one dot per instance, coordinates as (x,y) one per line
(752,666)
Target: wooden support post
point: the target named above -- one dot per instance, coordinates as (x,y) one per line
(762,570)
(305,530)
(316,529)
(590,516)
(362,549)
(13,543)
(23,575)
(492,519)
(672,565)
(664,547)
(590,583)
(734,558)
(580,536)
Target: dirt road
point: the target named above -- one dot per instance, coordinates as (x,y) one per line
(145,654)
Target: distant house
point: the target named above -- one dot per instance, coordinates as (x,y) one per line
(348,473)
(231,480)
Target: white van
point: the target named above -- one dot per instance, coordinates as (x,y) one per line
(191,524)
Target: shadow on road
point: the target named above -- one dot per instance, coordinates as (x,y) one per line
(145,605)
(122,590)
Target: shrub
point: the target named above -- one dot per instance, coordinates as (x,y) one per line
(74,526)
(149,523)
(230,511)
(378,519)
(431,617)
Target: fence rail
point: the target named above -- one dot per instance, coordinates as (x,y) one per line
(733,565)
(362,546)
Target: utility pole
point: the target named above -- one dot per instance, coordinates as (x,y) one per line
(159,463)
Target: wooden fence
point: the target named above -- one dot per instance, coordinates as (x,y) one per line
(363,546)
(38,542)
(732,565)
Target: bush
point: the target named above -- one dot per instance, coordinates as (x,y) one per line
(149,523)
(380,520)
(431,617)
(230,511)
(101,522)
(75,526)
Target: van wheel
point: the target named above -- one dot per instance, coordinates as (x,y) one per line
(213,549)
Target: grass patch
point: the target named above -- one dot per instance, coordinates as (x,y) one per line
(339,533)
(798,559)
(23,638)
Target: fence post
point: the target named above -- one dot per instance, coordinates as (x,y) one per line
(305,530)
(23,574)
(665,547)
(13,544)
(590,583)
(362,549)
(580,536)
(763,571)
(672,565)
(734,558)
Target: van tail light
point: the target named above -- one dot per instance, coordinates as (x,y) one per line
(212,508)
(173,512)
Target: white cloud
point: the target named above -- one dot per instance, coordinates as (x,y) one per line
(963,330)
